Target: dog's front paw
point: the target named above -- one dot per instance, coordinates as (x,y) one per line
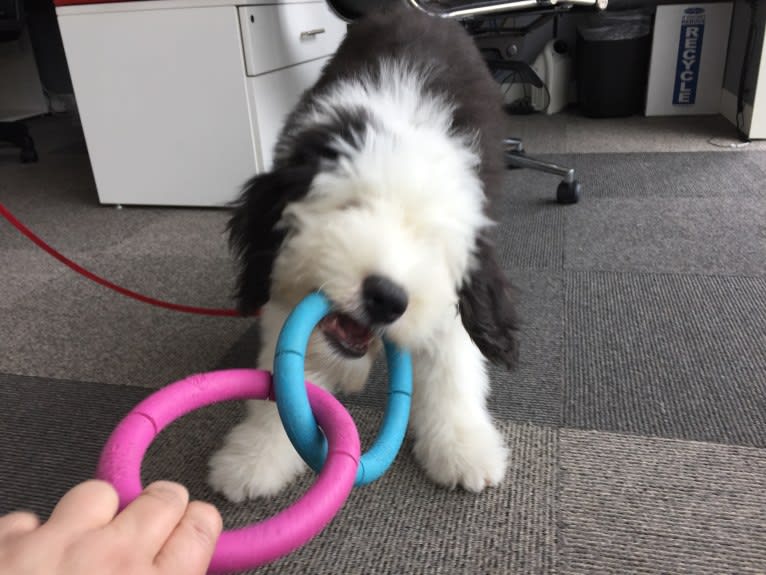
(254,462)
(473,459)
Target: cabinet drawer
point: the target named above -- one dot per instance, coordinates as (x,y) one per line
(281,35)
(272,98)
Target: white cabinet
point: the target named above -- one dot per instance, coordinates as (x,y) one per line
(181,101)
(273,97)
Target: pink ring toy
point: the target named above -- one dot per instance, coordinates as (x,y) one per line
(251,546)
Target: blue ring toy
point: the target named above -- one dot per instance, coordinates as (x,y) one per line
(293,404)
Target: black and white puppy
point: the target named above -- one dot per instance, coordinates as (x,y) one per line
(380,196)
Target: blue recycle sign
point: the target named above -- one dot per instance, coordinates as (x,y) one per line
(689,53)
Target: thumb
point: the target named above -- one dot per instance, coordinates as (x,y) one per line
(190,547)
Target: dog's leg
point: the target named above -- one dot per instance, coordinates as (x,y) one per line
(456,441)
(257,458)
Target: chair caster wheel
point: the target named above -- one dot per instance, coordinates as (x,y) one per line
(568,193)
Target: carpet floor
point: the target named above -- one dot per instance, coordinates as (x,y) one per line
(636,420)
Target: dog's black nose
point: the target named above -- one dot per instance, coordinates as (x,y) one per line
(384,301)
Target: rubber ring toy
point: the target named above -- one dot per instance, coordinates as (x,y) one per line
(257,544)
(293,403)
(333,451)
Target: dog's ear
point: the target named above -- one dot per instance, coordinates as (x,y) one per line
(487,308)
(253,233)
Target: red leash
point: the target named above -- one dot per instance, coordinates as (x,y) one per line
(106,283)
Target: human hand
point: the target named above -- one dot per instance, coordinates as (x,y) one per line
(158,533)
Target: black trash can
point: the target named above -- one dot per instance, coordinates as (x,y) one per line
(612,64)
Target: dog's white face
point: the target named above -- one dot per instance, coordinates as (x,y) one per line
(377,199)
(403,209)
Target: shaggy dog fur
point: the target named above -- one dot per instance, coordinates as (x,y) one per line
(380,195)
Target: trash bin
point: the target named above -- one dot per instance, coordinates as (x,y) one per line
(612,63)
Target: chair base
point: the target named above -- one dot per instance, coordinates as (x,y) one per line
(568,191)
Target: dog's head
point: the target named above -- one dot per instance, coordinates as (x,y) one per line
(390,226)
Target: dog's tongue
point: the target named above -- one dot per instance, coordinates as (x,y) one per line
(347,329)
(353,331)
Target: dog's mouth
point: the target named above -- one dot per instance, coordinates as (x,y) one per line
(348,336)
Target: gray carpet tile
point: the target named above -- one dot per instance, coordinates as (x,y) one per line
(402,523)
(59,203)
(713,235)
(533,196)
(644,134)
(52,434)
(185,278)
(642,313)
(78,230)
(654,175)
(182,232)
(667,355)
(72,328)
(571,132)
(63,179)
(654,506)
(531,392)
(540,133)
(530,199)
(23,269)
(530,229)
(640,133)
(244,353)
(57,429)
(11,240)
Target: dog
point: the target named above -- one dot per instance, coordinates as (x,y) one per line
(380,195)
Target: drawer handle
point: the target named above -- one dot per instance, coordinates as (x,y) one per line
(312,33)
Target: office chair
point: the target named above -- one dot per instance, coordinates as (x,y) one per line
(15,132)
(472,15)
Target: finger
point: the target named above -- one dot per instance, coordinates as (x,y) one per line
(16,524)
(190,548)
(88,506)
(151,517)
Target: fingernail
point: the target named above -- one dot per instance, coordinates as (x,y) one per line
(169,489)
(210,515)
